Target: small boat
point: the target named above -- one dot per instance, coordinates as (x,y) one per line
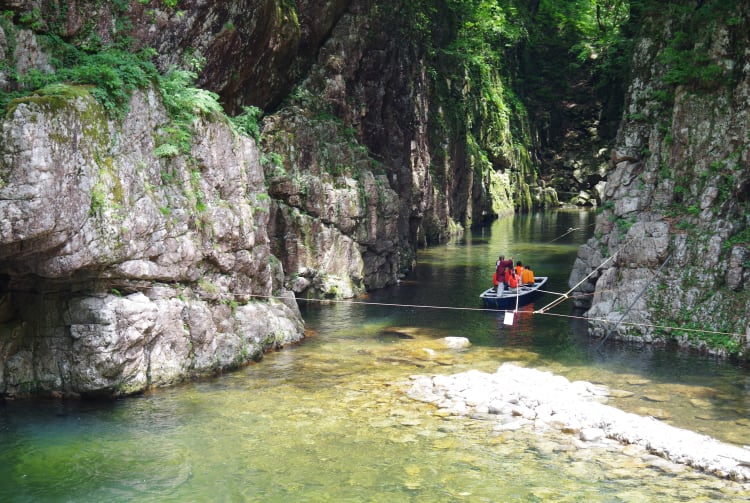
(509,298)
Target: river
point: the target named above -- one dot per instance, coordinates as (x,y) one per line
(328,420)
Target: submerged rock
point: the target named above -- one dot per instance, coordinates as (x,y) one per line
(518,397)
(456,342)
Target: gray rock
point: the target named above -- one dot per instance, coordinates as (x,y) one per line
(133,271)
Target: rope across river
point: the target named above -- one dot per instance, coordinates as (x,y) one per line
(491,310)
(544,311)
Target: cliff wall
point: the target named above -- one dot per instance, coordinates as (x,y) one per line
(123,270)
(392,141)
(670,258)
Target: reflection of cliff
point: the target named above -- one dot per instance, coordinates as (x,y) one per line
(679,189)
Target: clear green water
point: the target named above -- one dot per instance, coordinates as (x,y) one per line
(328,420)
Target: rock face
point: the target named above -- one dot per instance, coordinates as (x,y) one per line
(122,270)
(375,157)
(351,217)
(671,258)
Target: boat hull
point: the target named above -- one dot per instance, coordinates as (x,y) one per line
(510,298)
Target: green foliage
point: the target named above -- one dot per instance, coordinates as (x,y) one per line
(275,161)
(624,224)
(98,200)
(185,103)
(113,72)
(606,206)
(719,339)
(638,117)
(594,32)
(484,29)
(32,19)
(195,183)
(166,150)
(247,123)
(596,25)
(686,55)
(183,99)
(740,238)
(687,66)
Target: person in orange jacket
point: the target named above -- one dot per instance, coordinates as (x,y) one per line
(511,278)
(527,276)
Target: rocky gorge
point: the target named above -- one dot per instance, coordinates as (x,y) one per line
(319,145)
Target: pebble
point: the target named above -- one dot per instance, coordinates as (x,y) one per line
(656,398)
(619,393)
(700,403)
(591,434)
(638,382)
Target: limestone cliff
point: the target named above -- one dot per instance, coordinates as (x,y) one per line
(123,270)
(390,143)
(671,257)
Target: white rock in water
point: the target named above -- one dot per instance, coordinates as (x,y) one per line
(456,342)
(591,434)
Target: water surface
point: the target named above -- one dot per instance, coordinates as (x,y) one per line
(328,420)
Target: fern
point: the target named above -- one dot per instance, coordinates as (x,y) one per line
(246,123)
(166,150)
(184,103)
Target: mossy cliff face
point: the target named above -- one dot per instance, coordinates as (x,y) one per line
(385,115)
(334,218)
(678,195)
(121,270)
(338,184)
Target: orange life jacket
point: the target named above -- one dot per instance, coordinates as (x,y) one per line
(511,278)
(527,276)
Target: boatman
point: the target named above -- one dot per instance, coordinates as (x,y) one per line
(502,264)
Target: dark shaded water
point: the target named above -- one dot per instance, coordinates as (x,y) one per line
(329,421)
